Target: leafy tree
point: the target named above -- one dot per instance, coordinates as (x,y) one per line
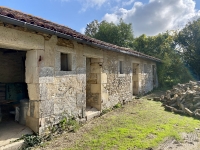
(92,28)
(172,69)
(120,34)
(188,40)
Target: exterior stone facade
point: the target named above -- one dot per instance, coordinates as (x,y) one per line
(99,78)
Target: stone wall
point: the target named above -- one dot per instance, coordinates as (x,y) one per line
(61,93)
(146,77)
(55,94)
(117,88)
(12,66)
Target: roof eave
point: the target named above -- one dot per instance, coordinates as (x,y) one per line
(65,36)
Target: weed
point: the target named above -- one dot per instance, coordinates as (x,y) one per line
(31,141)
(63,123)
(105,111)
(118,105)
(72,125)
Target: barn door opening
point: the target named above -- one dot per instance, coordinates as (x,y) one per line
(93,87)
(154,75)
(13,89)
(135,79)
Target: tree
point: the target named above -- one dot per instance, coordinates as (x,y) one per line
(188,40)
(172,69)
(120,34)
(92,28)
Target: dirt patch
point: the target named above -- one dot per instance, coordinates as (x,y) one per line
(156,93)
(190,142)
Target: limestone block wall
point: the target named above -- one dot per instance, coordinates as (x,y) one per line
(115,87)
(12,66)
(54,93)
(19,39)
(62,93)
(146,77)
(63,97)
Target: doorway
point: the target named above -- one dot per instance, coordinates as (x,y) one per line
(12,89)
(135,79)
(154,75)
(93,87)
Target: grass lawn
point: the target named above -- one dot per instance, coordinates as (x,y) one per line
(138,125)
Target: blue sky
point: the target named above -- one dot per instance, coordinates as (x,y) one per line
(147,16)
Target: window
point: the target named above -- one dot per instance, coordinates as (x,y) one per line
(145,68)
(66,62)
(154,75)
(120,67)
(153,69)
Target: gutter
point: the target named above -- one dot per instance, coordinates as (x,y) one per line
(65,36)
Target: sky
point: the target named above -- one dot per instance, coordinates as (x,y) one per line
(148,17)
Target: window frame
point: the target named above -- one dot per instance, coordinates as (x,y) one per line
(121,72)
(145,68)
(67,59)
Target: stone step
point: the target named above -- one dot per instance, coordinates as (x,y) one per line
(13,146)
(91,113)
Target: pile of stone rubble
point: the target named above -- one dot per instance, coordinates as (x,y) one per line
(183,99)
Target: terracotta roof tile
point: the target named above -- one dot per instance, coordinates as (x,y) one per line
(66,30)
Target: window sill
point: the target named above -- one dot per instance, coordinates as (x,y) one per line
(121,75)
(62,73)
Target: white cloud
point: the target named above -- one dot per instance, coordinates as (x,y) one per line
(156,16)
(111,18)
(127,3)
(92,3)
(82,30)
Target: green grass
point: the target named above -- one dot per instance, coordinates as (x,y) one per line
(137,126)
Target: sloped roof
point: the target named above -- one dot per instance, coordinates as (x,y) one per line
(13,16)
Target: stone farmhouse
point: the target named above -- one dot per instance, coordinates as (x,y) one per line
(64,73)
